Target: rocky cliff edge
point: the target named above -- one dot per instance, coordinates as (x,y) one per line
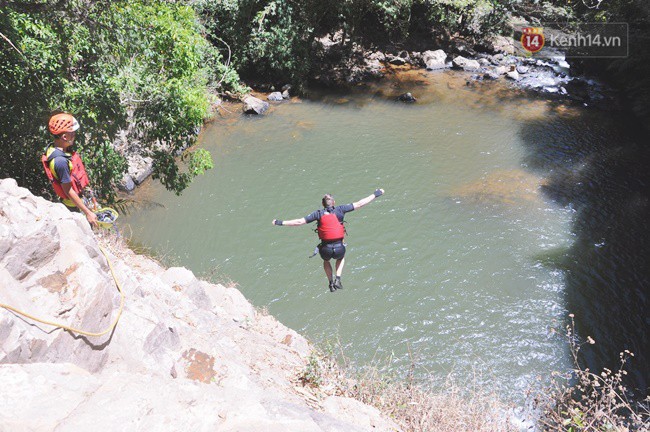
(185,355)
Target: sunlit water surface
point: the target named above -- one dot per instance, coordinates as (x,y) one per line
(455,269)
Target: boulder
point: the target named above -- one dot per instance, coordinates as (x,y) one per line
(127,184)
(373,69)
(461,62)
(397,61)
(513,75)
(502,44)
(275,97)
(522,69)
(253,105)
(140,168)
(406,97)
(434,60)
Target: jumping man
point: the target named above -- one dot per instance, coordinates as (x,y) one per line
(331,232)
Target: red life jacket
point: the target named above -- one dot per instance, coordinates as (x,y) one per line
(77,172)
(329,227)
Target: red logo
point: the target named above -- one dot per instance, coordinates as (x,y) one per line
(532,39)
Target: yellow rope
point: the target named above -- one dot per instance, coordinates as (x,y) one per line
(72,329)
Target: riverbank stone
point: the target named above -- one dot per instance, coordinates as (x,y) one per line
(275,97)
(463,63)
(434,60)
(253,105)
(513,75)
(406,97)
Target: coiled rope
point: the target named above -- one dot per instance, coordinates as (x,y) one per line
(72,329)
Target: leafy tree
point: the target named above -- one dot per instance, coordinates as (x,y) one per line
(137,68)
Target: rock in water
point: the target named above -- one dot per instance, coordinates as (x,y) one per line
(253,105)
(406,97)
(461,62)
(434,60)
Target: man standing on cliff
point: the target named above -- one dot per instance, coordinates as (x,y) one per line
(331,232)
(64,168)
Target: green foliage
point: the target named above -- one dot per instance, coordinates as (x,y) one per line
(170,174)
(271,40)
(472,18)
(312,374)
(139,66)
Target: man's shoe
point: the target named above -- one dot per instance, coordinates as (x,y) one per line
(337,283)
(332,287)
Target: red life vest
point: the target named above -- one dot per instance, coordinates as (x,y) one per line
(330,228)
(77,172)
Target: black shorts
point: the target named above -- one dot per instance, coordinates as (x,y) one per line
(334,250)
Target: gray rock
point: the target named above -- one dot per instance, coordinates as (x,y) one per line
(465,64)
(395,60)
(496,59)
(275,97)
(127,184)
(513,75)
(286,95)
(503,44)
(434,60)
(406,97)
(32,252)
(522,69)
(373,69)
(253,105)
(140,168)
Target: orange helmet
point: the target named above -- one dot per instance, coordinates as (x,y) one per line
(62,123)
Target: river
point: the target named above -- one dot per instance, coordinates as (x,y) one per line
(499,219)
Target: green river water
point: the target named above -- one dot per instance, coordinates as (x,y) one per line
(454,269)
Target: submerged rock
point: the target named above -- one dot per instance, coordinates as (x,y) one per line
(511,187)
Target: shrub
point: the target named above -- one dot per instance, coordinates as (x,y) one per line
(581,400)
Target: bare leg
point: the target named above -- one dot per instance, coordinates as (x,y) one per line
(339,266)
(328,269)
(339,270)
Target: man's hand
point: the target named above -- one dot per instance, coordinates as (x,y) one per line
(92,218)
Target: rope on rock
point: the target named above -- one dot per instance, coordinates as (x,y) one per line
(72,329)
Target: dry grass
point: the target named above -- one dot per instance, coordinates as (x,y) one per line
(581,400)
(113,241)
(449,408)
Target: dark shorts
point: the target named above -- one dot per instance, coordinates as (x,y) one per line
(332,250)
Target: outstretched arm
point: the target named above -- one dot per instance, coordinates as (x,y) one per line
(292,222)
(368,199)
